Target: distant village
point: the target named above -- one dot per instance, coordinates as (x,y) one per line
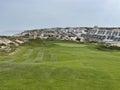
(107,35)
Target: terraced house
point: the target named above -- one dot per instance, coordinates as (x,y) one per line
(104,34)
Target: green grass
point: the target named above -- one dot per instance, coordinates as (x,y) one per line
(60,65)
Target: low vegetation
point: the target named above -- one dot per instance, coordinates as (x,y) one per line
(60,65)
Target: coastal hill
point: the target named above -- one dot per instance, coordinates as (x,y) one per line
(78,34)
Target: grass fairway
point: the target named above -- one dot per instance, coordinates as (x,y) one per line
(60,65)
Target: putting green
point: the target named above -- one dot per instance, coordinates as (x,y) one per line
(70,44)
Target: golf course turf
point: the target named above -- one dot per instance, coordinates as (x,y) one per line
(60,65)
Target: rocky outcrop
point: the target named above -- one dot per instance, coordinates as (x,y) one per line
(56,33)
(6,42)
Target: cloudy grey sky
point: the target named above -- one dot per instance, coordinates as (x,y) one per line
(20,15)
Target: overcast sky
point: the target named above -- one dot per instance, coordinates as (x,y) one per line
(20,15)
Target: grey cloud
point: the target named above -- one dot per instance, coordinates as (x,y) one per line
(18,15)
